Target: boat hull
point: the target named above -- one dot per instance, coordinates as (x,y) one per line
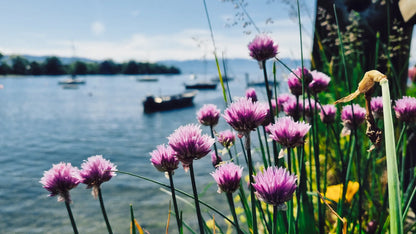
(201,86)
(164,103)
(71,81)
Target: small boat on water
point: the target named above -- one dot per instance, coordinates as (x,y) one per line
(170,102)
(261,83)
(147,79)
(224,79)
(201,85)
(70,86)
(72,80)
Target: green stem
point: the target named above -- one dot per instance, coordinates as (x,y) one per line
(245,205)
(402,155)
(401,137)
(275,220)
(267,146)
(195,192)
(215,146)
(263,153)
(177,190)
(229,153)
(133,226)
(232,208)
(326,158)
(74,226)
(341,45)
(345,186)
(289,160)
(271,111)
(215,52)
(251,173)
(396,225)
(406,209)
(175,204)
(107,223)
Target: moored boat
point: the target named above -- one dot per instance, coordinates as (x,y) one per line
(224,79)
(147,79)
(201,85)
(72,80)
(161,103)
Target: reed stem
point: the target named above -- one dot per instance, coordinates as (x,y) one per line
(396,225)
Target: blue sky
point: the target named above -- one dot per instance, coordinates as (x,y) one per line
(144,30)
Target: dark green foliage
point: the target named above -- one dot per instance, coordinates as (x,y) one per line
(19,65)
(53,66)
(35,68)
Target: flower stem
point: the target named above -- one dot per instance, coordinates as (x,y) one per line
(271,111)
(175,204)
(198,209)
(74,226)
(267,145)
(275,211)
(232,208)
(346,179)
(251,173)
(100,197)
(177,190)
(215,146)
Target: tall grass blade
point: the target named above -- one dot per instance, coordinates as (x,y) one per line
(396,225)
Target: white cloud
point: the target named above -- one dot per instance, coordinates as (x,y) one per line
(178,46)
(97,27)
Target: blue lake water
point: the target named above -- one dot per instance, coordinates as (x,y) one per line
(43,124)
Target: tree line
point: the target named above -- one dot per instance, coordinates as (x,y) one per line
(19,65)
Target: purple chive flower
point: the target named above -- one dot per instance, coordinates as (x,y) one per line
(328,113)
(95,171)
(287,132)
(251,93)
(189,144)
(412,74)
(262,48)
(348,121)
(292,108)
(405,109)
(208,115)
(164,159)
(226,138)
(283,98)
(377,107)
(319,83)
(228,177)
(275,186)
(245,116)
(60,179)
(294,80)
(215,159)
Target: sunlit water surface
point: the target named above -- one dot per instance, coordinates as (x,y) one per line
(43,124)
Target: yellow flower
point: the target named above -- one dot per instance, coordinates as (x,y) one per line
(334,192)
